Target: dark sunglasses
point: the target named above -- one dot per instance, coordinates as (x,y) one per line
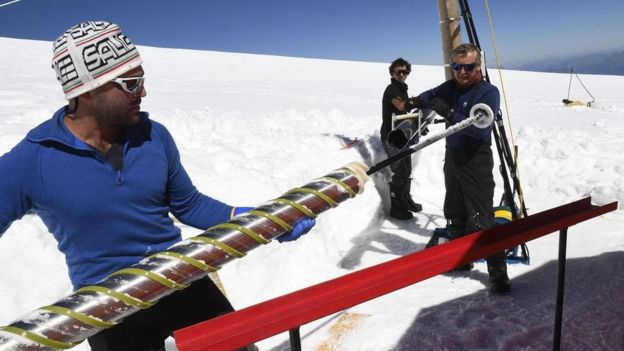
(401,72)
(130,85)
(468,67)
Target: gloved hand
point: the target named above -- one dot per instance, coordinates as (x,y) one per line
(300,228)
(412,103)
(238,210)
(440,107)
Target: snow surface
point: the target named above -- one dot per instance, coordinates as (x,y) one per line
(250,127)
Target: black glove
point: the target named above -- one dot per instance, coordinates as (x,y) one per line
(412,103)
(440,107)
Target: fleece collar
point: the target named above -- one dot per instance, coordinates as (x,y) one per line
(55,130)
(401,86)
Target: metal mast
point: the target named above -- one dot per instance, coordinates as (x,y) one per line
(450,32)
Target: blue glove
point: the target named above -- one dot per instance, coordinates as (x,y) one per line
(302,227)
(238,210)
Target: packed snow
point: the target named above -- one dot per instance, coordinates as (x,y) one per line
(251,127)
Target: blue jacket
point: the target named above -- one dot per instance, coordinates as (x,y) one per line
(461,101)
(103,219)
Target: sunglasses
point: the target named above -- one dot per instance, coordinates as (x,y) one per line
(130,85)
(402,72)
(468,67)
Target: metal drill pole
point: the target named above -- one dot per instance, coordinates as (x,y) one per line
(481,115)
(105,304)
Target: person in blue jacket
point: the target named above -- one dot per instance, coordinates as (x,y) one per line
(104,177)
(468,161)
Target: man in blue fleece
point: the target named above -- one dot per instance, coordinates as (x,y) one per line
(468,161)
(103,177)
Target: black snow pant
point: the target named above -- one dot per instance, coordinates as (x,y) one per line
(468,203)
(147,329)
(401,169)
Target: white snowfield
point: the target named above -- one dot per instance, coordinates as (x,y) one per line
(251,127)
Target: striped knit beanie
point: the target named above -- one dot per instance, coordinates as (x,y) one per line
(91,54)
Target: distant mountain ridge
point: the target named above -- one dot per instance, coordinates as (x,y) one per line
(598,63)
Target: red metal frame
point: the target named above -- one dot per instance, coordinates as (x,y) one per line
(274,316)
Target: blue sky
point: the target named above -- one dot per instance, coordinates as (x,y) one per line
(364,30)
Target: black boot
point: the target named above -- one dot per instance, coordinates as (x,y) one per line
(439,236)
(398,206)
(455,228)
(407,198)
(411,205)
(497,268)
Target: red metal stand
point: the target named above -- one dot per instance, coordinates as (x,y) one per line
(290,311)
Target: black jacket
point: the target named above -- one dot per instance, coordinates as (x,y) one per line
(394,90)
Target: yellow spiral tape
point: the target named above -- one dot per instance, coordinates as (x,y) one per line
(273,218)
(341,184)
(318,194)
(250,233)
(193,262)
(299,207)
(40,339)
(125,298)
(84,318)
(216,243)
(159,278)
